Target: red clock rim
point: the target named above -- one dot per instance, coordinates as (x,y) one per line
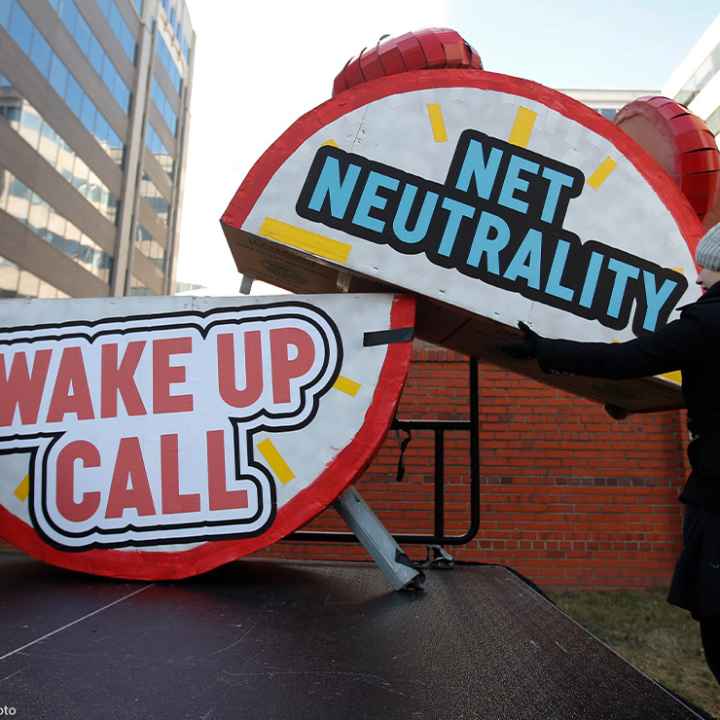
(347,466)
(270,162)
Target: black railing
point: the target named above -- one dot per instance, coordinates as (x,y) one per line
(439,428)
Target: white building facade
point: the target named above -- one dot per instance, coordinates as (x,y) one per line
(695,83)
(607,102)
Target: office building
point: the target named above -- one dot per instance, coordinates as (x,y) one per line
(695,82)
(94,98)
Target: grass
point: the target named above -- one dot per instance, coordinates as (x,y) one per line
(660,640)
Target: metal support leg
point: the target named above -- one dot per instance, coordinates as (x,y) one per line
(381,545)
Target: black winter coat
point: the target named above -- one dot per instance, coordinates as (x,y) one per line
(691,344)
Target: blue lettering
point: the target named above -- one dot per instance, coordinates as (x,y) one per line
(554,284)
(623,272)
(557,180)
(423,222)
(458,211)
(482,243)
(370,199)
(514,182)
(475,166)
(527,260)
(655,298)
(329,185)
(591,279)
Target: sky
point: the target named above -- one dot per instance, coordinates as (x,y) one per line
(259,66)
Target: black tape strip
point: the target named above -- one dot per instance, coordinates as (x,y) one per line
(386,337)
(401,460)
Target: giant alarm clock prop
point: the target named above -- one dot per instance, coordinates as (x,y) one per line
(490,198)
(157,438)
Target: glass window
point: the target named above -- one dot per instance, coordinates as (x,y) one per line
(161,50)
(68,14)
(9,276)
(93,51)
(156,200)
(81,173)
(38,215)
(82,35)
(149,247)
(56,229)
(30,123)
(29,284)
(122,32)
(46,291)
(65,161)
(5,6)
(14,115)
(20,28)
(138,288)
(41,54)
(85,252)
(58,76)
(74,95)
(5,180)
(49,144)
(122,95)
(158,149)
(18,203)
(108,75)
(119,27)
(95,192)
(62,81)
(117,149)
(71,245)
(87,114)
(163,105)
(10,110)
(15,282)
(96,55)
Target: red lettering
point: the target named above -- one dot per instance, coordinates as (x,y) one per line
(172,501)
(21,388)
(165,375)
(89,457)
(71,393)
(119,378)
(283,368)
(129,487)
(253,369)
(220,498)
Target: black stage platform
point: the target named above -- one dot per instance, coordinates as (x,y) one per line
(257,640)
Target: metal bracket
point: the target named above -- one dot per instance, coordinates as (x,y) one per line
(438,427)
(439,557)
(395,565)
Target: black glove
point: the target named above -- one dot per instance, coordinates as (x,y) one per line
(523,349)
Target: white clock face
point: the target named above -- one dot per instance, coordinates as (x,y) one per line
(143,427)
(510,201)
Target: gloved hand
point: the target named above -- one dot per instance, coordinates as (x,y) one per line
(616,412)
(525,348)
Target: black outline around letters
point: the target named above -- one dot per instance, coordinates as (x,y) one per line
(235,422)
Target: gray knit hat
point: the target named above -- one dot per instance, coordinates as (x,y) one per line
(708,249)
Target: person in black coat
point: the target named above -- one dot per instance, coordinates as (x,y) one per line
(690,344)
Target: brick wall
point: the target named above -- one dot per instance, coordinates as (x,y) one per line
(569,497)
